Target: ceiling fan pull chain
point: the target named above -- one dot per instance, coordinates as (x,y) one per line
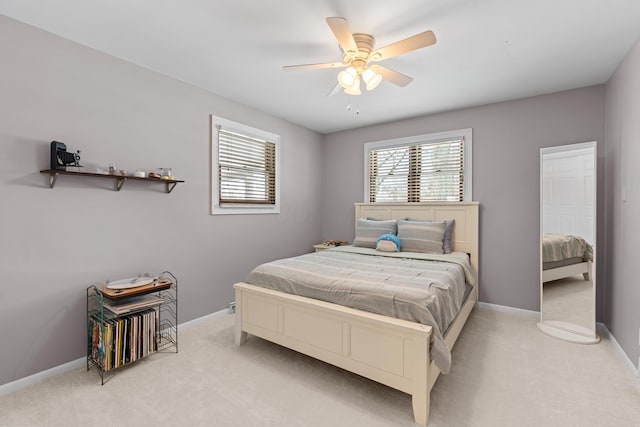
(350,106)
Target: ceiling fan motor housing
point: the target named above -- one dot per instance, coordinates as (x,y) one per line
(359,59)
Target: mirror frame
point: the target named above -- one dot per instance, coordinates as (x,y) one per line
(569,331)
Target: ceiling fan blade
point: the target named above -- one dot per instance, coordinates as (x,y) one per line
(407,45)
(314,66)
(343,34)
(335,90)
(392,75)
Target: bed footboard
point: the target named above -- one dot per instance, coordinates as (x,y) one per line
(390,351)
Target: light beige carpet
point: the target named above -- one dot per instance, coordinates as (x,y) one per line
(505,373)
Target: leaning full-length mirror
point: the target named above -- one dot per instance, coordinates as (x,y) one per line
(568,242)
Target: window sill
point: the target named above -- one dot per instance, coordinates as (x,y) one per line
(248,210)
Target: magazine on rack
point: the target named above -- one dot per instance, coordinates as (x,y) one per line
(133,303)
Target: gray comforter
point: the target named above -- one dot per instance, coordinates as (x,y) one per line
(423,288)
(558,247)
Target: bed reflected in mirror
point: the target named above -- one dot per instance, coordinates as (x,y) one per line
(567,236)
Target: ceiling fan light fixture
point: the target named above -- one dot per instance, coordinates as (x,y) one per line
(358,51)
(348,77)
(354,89)
(371,79)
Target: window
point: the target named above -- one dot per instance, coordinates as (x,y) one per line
(433,167)
(244,169)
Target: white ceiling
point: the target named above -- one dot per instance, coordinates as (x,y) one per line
(487,51)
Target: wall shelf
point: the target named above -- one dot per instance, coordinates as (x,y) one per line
(119,179)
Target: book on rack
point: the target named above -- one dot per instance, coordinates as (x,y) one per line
(116,342)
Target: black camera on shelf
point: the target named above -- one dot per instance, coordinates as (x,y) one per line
(60,157)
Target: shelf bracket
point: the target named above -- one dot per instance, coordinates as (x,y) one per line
(119,182)
(171,186)
(52,179)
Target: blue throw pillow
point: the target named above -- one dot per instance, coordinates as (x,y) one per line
(388,239)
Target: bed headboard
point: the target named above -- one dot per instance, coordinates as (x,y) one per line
(465,232)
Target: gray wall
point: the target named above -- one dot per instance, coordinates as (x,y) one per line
(507,138)
(622,155)
(55,242)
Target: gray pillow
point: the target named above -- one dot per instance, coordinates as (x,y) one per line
(421,236)
(368,231)
(448,231)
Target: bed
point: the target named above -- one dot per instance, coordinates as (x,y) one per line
(565,255)
(395,352)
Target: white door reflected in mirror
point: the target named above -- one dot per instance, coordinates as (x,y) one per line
(568,235)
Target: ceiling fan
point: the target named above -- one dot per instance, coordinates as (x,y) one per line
(358,53)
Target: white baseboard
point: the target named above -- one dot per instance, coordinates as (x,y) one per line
(75,364)
(201,319)
(41,376)
(619,351)
(508,309)
(633,370)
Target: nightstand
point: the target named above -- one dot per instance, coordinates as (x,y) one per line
(328,244)
(321,247)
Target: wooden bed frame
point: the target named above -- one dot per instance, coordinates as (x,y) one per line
(583,268)
(390,351)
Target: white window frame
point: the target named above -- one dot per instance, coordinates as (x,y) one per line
(467,134)
(235,209)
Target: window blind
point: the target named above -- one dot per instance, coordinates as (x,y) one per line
(419,172)
(246,168)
